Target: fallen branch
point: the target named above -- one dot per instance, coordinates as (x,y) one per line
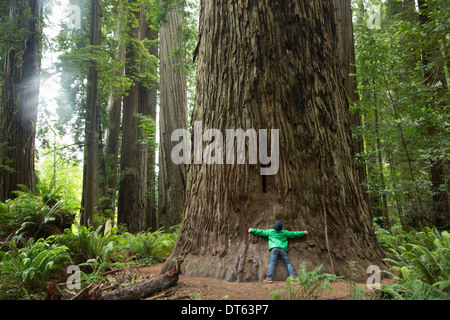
(162,295)
(91,292)
(147,288)
(52,292)
(326,233)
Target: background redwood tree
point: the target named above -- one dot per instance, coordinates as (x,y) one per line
(89,200)
(19,97)
(172,116)
(273,65)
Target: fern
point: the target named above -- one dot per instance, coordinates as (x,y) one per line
(88,244)
(33,264)
(307,285)
(149,246)
(421,260)
(29,216)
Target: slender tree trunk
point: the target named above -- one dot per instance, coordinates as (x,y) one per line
(273,65)
(422,216)
(112,142)
(19,100)
(173,115)
(384,212)
(394,187)
(151,101)
(372,197)
(92,129)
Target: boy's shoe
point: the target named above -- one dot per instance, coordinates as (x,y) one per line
(268,280)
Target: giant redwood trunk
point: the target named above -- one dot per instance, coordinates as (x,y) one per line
(19,99)
(273,65)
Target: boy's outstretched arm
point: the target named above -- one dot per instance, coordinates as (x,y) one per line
(259,232)
(296,234)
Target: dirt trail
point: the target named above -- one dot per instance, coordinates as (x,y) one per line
(216,289)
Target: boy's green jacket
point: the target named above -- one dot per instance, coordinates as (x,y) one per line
(278,239)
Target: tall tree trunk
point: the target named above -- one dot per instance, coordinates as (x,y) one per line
(135,203)
(273,65)
(151,101)
(92,129)
(112,142)
(384,212)
(19,100)
(394,187)
(346,49)
(172,115)
(131,203)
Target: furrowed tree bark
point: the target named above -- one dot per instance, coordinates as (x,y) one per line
(173,115)
(273,65)
(133,179)
(19,99)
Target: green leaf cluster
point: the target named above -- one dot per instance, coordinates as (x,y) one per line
(149,246)
(404,112)
(30,216)
(28,268)
(307,285)
(420,263)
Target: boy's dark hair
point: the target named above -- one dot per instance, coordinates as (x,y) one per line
(278,226)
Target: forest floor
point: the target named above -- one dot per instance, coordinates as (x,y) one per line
(217,289)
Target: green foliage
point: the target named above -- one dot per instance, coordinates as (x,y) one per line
(89,246)
(354,292)
(420,263)
(31,266)
(307,285)
(149,247)
(58,168)
(148,130)
(404,114)
(27,270)
(29,216)
(86,244)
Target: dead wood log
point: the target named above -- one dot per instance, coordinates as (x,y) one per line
(147,288)
(91,292)
(52,292)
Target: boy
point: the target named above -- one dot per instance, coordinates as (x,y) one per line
(278,242)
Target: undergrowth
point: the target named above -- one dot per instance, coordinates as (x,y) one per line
(307,285)
(35,248)
(420,264)
(27,263)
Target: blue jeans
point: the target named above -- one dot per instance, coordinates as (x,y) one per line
(276,253)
